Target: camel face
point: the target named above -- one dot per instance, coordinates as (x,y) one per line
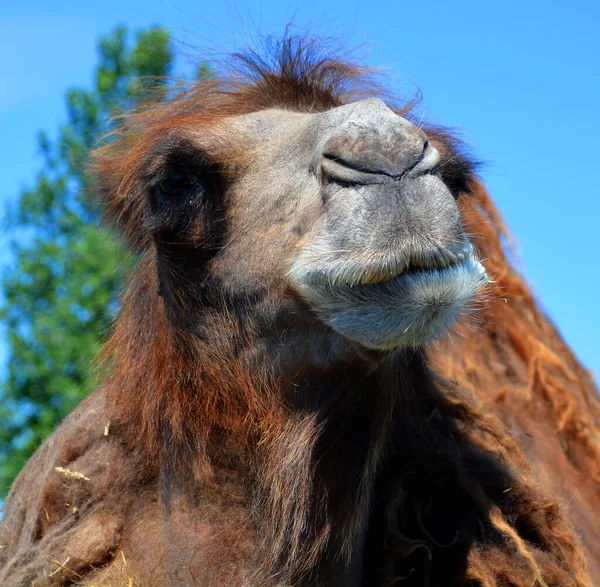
(345,209)
(340,215)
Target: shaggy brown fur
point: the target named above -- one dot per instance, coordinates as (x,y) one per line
(197,463)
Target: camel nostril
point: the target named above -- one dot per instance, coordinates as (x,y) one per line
(341,171)
(428,162)
(362,153)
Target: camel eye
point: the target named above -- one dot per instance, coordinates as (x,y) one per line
(173,186)
(176,190)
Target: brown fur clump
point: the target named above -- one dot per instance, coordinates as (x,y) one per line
(476,463)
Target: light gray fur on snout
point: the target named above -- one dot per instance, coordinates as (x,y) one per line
(383,214)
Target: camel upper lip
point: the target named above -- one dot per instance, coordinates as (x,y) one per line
(352,273)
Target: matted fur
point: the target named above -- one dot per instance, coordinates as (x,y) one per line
(482,466)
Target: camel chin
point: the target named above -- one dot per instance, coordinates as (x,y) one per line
(410,309)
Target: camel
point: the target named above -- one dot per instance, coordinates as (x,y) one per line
(325,370)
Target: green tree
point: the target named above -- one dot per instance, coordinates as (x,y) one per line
(61,291)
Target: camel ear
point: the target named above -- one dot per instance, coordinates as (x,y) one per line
(120,190)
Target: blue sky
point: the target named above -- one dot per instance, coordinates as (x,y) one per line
(520,79)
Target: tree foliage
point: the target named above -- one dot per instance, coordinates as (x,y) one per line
(61,291)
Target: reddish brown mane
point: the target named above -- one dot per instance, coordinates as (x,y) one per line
(544,396)
(504,421)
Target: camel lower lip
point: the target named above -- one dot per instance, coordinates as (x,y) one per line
(410,309)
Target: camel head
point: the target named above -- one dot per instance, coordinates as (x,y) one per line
(334,231)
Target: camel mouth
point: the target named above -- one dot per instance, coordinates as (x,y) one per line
(352,273)
(410,308)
